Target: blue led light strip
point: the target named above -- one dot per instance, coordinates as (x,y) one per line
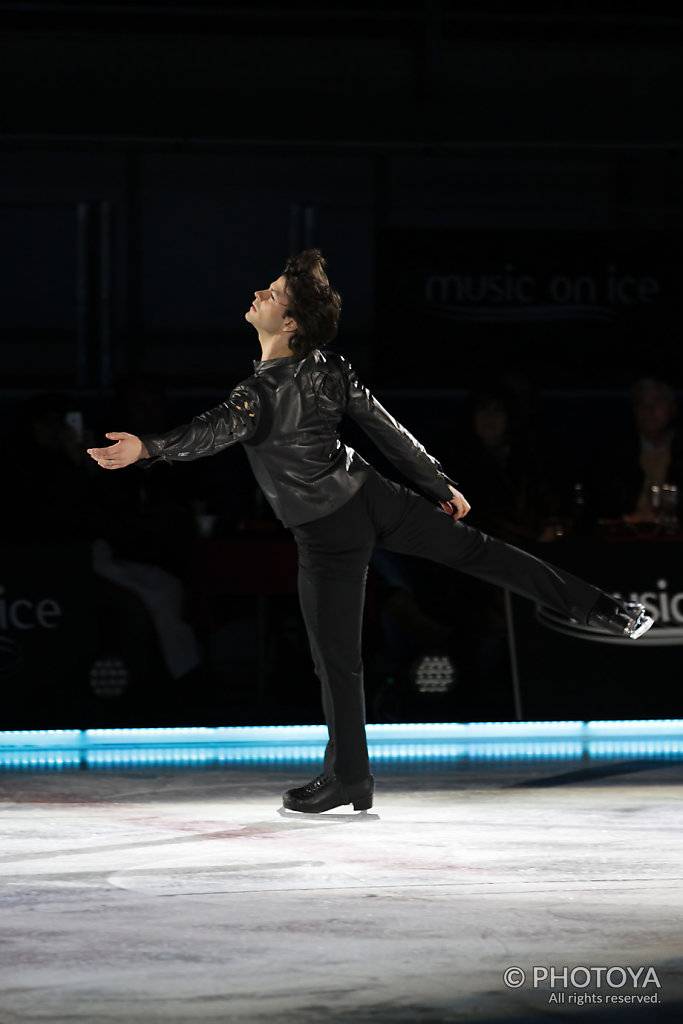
(63,748)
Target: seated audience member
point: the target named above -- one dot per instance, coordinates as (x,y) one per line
(49,491)
(52,496)
(647,456)
(151,514)
(160,509)
(502,470)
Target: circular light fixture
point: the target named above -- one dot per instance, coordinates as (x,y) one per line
(433,673)
(109,677)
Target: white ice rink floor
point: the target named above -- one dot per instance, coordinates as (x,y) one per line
(184,895)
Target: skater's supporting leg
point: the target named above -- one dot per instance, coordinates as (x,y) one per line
(333,558)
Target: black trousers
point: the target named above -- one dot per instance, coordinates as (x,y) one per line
(333,561)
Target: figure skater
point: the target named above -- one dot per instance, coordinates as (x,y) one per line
(287,415)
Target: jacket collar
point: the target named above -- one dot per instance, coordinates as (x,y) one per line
(271,364)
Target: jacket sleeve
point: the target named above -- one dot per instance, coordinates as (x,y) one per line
(395,442)
(234,420)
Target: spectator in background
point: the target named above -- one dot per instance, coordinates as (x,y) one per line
(51,496)
(151,521)
(501,467)
(649,454)
(162,509)
(151,514)
(61,501)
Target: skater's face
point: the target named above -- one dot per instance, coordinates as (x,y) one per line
(268,311)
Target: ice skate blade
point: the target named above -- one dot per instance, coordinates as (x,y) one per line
(641,625)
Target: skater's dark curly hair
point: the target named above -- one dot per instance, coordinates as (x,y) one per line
(311,302)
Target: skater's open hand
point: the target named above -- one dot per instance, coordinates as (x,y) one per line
(127,449)
(458,506)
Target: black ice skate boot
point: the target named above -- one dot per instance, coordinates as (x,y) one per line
(622,618)
(326,792)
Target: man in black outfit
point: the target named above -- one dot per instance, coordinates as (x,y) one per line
(287,415)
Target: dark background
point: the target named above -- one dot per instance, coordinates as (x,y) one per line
(160,161)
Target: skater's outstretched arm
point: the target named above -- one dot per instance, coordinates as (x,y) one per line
(234,420)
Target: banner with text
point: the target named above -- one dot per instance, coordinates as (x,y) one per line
(591,310)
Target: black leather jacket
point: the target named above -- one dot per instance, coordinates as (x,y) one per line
(287,415)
